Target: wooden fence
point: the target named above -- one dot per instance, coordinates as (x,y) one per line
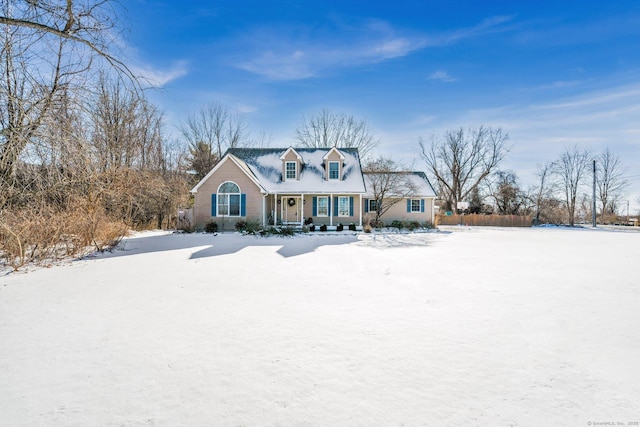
(485,220)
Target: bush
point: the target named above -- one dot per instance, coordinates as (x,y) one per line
(211,227)
(286,231)
(428,225)
(352,227)
(312,227)
(367,228)
(340,227)
(377,224)
(412,225)
(397,224)
(323,227)
(248,227)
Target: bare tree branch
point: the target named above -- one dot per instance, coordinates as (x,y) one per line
(460,161)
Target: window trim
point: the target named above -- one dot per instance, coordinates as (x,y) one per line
(326,198)
(226,197)
(412,206)
(348,209)
(286,170)
(375,207)
(337,178)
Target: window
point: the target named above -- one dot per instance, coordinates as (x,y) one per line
(290,170)
(415,205)
(228,199)
(343,206)
(373,205)
(323,206)
(334,170)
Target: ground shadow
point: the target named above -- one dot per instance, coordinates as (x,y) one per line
(209,245)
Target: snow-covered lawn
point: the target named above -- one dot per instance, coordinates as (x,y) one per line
(462,327)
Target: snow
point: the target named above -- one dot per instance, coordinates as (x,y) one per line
(467,326)
(266,165)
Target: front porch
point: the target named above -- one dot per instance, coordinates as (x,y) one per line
(298,210)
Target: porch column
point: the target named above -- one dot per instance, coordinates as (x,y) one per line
(361,208)
(331,208)
(302,210)
(275,209)
(264,210)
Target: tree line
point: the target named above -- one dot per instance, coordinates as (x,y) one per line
(84,155)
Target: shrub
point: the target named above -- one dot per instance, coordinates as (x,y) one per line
(367,228)
(286,231)
(352,227)
(428,225)
(211,227)
(340,227)
(312,227)
(412,225)
(397,224)
(377,224)
(248,227)
(323,227)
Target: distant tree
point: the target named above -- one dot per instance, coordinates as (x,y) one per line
(201,160)
(570,171)
(389,182)
(506,193)
(326,129)
(476,204)
(460,161)
(215,126)
(610,181)
(543,191)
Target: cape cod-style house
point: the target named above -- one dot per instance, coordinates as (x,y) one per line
(294,186)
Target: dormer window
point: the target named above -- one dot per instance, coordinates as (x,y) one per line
(290,170)
(334,170)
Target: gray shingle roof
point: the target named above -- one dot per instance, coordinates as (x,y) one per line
(418,180)
(266,166)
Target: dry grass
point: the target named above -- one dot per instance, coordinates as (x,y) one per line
(45,235)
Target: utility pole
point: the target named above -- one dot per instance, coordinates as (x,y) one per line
(593,209)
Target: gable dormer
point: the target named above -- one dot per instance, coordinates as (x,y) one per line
(333,165)
(291,165)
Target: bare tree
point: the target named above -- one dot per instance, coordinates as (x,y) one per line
(571,170)
(214,126)
(610,182)
(46,47)
(87,23)
(505,190)
(543,191)
(460,161)
(326,129)
(389,184)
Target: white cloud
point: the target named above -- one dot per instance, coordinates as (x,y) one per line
(156,77)
(293,54)
(442,76)
(595,120)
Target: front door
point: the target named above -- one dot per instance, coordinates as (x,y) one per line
(291,209)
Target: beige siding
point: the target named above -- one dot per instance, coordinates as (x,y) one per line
(399,212)
(291,157)
(228,171)
(334,156)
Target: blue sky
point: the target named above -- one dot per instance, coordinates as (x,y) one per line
(551,74)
